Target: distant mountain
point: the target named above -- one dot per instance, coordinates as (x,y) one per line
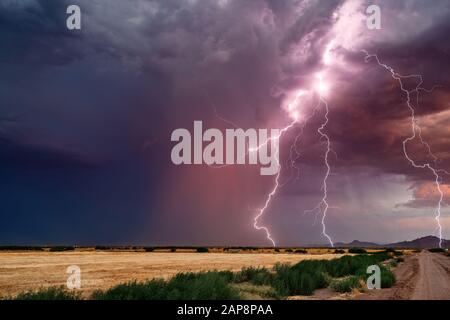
(356,243)
(420,243)
(424,242)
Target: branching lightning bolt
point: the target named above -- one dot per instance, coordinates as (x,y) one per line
(273,191)
(323,205)
(416,132)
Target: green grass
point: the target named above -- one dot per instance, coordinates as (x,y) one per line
(212,285)
(342,274)
(387,278)
(300,279)
(248,291)
(256,276)
(51,293)
(346,285)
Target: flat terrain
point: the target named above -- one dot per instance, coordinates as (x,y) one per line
(21,271)
(423,276)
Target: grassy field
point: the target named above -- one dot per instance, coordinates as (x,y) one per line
(184,275)
(101,269)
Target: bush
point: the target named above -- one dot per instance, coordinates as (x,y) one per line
(399,260)
(436,250)
(211,285)
(202,249)
(300,279)
(340,251)
(256,276)
(357,250)
(301,251)
(149,249)
(51,293)
(150,290)
(387,278)
(173,249)
(62,248)
(346,285)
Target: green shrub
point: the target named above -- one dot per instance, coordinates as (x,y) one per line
(303,251)
(202,249)
(257,276)
(149,290)
(399,260)
(173,249)
(387,278)
(51,293)
(346,285)
(357,250)
(149,249)
(211,285)
(436,250)
(340,251)
(301,279)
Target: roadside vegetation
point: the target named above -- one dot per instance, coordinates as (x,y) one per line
(343,274)
(51,293)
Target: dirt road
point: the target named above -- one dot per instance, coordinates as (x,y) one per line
(423,276)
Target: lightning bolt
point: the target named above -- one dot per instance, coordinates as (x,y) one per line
(416,132)
(323,205)
(274,190)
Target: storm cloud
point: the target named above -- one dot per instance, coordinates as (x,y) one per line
(86,118)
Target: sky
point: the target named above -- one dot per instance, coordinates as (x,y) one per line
(86,118)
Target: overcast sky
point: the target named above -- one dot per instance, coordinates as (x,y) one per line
(86,118)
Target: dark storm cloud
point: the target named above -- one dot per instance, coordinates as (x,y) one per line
(110,95)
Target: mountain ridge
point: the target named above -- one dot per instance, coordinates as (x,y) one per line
(419,243)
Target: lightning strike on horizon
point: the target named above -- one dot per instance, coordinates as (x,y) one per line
(320,88)
(323,206)
(277,178)
(324,203)
(416,133)
(274,189)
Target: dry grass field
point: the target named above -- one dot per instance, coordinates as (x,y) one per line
(21,271)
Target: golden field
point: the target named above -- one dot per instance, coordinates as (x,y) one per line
(21,271)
